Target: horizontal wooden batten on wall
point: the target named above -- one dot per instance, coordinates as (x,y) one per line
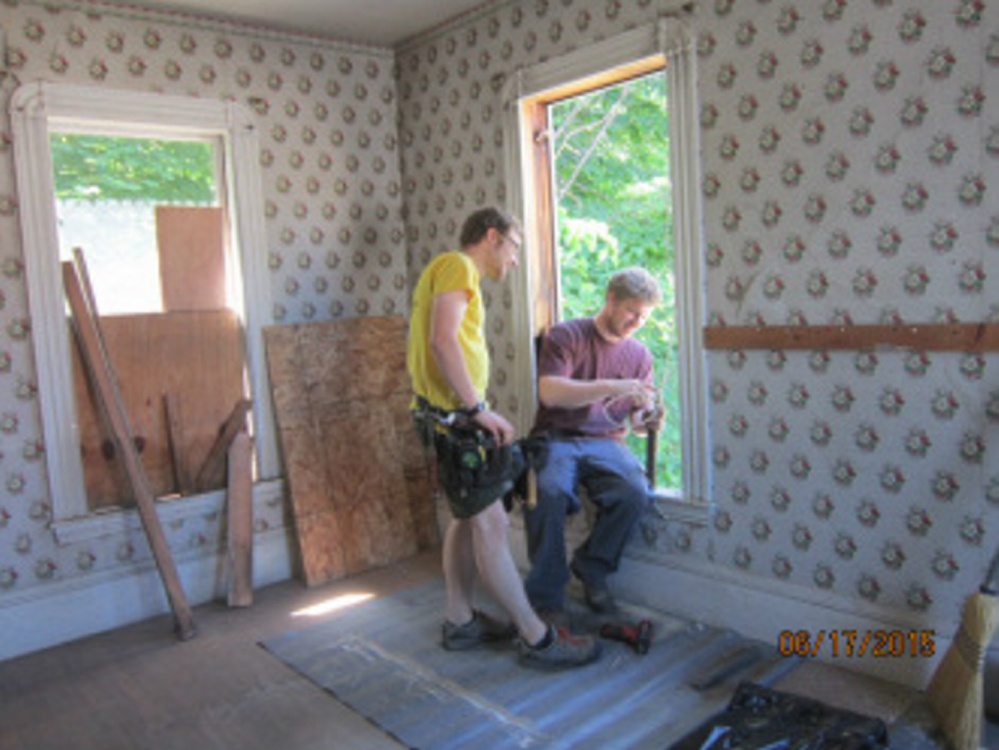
(929,337)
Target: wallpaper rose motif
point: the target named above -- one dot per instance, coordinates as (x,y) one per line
(849,158)
(326,119)
(848,151)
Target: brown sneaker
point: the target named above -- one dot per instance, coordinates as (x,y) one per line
(565,650)
(478,631)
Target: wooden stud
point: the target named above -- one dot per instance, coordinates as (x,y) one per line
(213,469)
(175,440)
(927,337)
(239,500)
(102,374)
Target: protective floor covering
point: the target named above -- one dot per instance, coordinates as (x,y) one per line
(383,659)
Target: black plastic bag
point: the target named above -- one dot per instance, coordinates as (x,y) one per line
(758,718)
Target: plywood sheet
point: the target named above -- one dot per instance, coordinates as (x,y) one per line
(191,241)
(196,358)
(360,490)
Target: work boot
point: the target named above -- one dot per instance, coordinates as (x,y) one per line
(599,600)
(564,650)
(478,631)
(598,597)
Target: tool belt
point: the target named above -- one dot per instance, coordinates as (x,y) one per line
(466,452)
(475,459)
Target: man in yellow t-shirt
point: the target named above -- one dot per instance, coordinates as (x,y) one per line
(448,363)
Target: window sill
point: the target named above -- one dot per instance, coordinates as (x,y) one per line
(669,506)
(171,510)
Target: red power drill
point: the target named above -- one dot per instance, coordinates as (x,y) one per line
(638,636)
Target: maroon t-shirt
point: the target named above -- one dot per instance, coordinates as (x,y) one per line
(575,349)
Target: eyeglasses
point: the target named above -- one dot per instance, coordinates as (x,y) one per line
(516,243)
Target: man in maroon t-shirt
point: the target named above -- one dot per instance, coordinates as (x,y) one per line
(594,382)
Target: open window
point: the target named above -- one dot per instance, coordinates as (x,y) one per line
(624,111)
(170,265)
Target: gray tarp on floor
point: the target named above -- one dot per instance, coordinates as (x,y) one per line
(383,659)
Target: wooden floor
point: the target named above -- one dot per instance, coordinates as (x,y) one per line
(138,688)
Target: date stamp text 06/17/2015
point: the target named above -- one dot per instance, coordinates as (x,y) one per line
(879,644)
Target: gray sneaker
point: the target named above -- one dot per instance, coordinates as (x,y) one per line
(478,631)
(565,650)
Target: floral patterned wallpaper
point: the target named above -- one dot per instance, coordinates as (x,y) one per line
(850,152)
(329,156)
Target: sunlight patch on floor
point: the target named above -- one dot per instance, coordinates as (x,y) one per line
(343,601)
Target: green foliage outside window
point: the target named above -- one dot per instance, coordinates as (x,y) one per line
(93,167)
(614,209)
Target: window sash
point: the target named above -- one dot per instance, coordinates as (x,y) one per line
(633,52)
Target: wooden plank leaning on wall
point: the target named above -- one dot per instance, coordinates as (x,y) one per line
(105,382)
(929,337)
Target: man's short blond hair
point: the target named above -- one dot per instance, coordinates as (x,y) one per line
(635,283)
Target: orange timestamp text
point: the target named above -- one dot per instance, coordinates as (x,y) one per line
(878,644)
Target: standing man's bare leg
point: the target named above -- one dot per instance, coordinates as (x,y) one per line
(499,573)
(458,561)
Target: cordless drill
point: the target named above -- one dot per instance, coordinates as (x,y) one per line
(638,636)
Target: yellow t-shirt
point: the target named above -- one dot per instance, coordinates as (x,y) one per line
(448,272)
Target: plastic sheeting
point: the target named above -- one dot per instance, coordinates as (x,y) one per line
(758,718)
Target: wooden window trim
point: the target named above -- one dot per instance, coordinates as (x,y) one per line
(545,282)
(932,337)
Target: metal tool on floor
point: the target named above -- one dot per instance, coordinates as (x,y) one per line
(728,664)
(638,635)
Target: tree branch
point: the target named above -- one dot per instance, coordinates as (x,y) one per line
(605,122)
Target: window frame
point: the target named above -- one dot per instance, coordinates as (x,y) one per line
(668,46)
(86,128)
(39,108)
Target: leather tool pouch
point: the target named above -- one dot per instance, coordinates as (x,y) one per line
(475,457)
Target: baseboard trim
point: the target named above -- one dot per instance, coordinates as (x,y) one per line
(758,609)
(761,608)
(77,608)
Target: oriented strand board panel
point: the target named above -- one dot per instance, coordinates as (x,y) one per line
(359,484)
(191,241)
(194,357)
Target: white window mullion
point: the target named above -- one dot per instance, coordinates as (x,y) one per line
(684,150)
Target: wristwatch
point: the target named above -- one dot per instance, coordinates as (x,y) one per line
(473,410)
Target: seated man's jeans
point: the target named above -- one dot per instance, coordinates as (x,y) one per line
(615,483)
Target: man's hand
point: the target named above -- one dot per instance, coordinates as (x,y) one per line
(641,394)
(648,413)
(648,420)
(496,425)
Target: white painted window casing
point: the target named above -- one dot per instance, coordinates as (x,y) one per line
(36,110)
